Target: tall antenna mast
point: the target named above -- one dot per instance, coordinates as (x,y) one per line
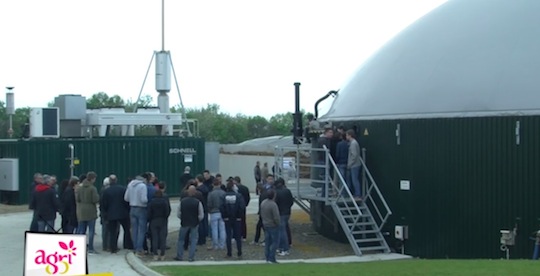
(164,68)
(162,25)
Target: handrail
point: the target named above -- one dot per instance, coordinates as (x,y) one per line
(344,193)
(374,186)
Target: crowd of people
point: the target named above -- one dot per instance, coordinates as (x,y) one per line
(209,209)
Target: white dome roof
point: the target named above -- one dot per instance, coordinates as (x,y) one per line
(465,58)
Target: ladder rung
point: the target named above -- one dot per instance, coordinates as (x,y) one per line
(373,248)
(369,223)
(371,231)
(369,240)
(355,216)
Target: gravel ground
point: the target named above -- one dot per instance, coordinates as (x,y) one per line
(306,244)
(6,209)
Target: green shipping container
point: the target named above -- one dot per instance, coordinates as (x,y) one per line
(469,179)
(124,156)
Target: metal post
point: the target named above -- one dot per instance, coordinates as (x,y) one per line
(10,130)
(297,165)
(72,159)
(364,178)
(326,172)
(162,25)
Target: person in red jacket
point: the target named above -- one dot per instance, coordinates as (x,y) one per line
(45,204)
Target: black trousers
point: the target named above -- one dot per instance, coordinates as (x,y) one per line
(147,237)
(232,228)
(158,228)
(114,231)
(243,225)
(258,229)
(203,230)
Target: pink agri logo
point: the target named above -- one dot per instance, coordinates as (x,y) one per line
(57,263)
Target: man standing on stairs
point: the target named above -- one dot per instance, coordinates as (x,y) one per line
(325,140)
(354,164)
(342,158)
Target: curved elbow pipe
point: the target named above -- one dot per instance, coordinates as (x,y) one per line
(331,93)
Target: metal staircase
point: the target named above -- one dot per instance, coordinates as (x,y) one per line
(318,180)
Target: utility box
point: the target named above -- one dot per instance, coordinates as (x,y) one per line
(9,174)
(44,122)
(401,232)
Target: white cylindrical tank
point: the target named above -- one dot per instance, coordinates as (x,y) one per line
(163,72)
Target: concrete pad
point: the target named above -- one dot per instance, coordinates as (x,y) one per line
(342,259)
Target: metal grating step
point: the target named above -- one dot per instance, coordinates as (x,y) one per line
(360,232)
(369,240)
(373,248)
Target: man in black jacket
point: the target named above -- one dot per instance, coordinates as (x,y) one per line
(38,179)
(190,212)
(232,211)
(159,210)
(244,191)
(116,211)
(45,204)
(69,206)
(284,201)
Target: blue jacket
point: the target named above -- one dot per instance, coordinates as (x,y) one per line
(342,152)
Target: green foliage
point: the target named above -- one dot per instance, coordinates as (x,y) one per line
(18,120)
(101,99)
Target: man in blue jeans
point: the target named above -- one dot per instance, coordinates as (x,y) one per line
(271,221)
(354,164)
(342,157)
(284,201)
(190,212)
(137,196)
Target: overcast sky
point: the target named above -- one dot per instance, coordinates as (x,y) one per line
(243,55)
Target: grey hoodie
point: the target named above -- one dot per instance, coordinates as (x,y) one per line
(137,193)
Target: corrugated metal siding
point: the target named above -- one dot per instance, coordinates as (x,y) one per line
(469,180)
(123,156)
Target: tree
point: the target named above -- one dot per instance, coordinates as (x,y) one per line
(101,100)
(19,119)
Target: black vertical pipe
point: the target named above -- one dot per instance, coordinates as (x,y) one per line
(297,97)
(297,116)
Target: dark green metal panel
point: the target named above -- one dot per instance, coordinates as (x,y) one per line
(123,156)
(469,179)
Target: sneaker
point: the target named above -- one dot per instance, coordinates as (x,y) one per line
(253,243)
(177,259)
(191,260)
(262,244)
(284,253)
(162,258)
(156,258)
(92,252)
(139,254)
